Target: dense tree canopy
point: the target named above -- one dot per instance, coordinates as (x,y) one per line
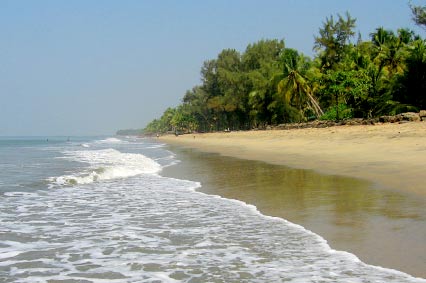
(270,84)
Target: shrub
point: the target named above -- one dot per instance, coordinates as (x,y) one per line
(344,113)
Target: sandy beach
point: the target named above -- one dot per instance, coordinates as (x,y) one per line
(390,155)
(364,194)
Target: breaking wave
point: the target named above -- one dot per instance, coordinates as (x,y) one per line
(105,164)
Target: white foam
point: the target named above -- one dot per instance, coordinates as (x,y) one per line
(111,141)
(153,228)
(19,194)
(157,229)
(9,254)
(106,164)
(155,146)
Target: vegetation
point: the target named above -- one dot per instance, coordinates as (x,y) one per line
(419,14)
(271,84)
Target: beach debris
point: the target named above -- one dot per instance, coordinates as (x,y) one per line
(422,115)
(408,116)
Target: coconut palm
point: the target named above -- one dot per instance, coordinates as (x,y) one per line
(295,87)
(390,50)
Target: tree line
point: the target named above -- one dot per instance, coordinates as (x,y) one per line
(270,84)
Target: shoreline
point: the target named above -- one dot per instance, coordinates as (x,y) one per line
(392,156)
(379,226)
(381,223)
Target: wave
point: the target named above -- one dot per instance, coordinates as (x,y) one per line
(105,164)
(111,140)
(157,229)
(156,146)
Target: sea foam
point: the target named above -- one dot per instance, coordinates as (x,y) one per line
(156,229)
(150,228)
(105,164)
(111,141)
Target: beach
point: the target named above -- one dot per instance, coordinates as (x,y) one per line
(359,187)
(390,155)
(130,209)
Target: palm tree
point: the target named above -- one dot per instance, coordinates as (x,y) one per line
(294,86)
(390,49)
(413,82)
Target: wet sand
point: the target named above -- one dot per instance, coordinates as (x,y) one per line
(382,227)
(381,224)
(390,155)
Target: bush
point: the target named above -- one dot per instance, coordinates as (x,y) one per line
(344,113)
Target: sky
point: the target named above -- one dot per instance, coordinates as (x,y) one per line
(87,67)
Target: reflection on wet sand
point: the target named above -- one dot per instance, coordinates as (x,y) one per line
(380,226)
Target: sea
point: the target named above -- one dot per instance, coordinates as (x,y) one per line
(97,209)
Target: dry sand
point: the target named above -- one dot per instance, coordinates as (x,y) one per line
(390,155)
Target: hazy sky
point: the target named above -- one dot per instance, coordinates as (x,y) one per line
(92,67)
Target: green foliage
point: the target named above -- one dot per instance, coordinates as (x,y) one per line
(262,54)
(411,86)
(183,121)
(337,113)
(333,40)
(295,87)
(271,84)
(348,87)
(419,14)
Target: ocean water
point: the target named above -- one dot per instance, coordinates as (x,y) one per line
(98,210)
